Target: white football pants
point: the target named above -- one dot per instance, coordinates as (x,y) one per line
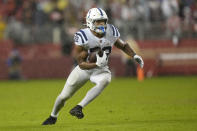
(77,78)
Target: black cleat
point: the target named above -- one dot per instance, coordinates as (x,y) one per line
(50,121)
(77,111)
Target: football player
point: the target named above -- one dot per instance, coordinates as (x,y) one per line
(98,35)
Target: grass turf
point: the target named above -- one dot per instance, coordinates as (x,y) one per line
(157,104)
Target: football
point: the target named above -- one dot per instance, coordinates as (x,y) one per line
(92,56)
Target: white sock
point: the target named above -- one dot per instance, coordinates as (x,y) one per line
(91,95)
(59,103)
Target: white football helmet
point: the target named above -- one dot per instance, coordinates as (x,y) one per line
(93,15)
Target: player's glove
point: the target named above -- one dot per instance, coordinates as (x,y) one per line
(139,60)
(101,61)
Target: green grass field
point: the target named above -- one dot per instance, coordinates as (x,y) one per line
(157,104)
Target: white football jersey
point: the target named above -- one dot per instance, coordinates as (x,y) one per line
(89,41)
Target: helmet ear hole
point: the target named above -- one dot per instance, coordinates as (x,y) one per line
(106,21)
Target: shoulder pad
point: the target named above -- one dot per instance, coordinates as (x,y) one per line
(115,31)
(80,37)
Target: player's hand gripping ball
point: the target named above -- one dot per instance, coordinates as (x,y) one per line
(92,56)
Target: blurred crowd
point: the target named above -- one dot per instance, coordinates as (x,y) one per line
(55,21)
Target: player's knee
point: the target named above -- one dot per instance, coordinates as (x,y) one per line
(104,82)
